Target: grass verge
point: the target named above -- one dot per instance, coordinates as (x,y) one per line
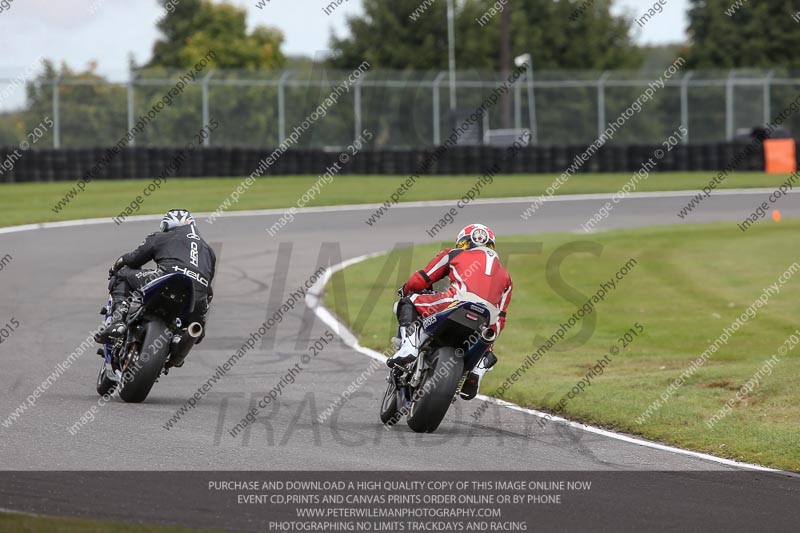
(23,203)
(20,523)
(689,284)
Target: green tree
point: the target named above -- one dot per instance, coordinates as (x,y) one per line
(758,34)
(196,26)
(393,35)
(92,112)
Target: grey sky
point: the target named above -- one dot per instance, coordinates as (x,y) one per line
(107,31)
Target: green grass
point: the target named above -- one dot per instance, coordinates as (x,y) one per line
(33,202)
(689,283)
(17,523)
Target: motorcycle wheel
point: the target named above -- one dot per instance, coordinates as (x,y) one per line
(432,398)
(389,405)
(147,364)
(104,385)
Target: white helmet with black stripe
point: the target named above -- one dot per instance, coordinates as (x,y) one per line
(176,218)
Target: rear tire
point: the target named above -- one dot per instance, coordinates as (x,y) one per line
(105,385)
(432,398)
(389,405)
(147,365)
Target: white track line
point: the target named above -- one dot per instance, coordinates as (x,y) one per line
(401,205)
(314,301)
(316,291)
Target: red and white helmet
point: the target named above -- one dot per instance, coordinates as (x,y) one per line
(475,235)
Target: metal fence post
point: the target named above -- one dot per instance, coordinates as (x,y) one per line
(357,108)
(517,106)
(437,118)
(729,106)
(601,103)
(130,107)
(206,116)
(685,104)
(56,113)
(768,97)
(532,107)
(282,106)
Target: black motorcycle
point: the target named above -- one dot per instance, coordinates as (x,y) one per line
(155,341)
(457,339)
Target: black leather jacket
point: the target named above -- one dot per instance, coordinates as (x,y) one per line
(180,249)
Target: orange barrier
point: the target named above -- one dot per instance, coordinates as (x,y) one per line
(780,156)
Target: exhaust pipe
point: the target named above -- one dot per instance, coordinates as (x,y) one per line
(488,336)
(195,330)
(183,344)
(485,338)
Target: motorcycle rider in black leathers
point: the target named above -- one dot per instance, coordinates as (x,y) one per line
(176,248)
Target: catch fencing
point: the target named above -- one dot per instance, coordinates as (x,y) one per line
(405,110)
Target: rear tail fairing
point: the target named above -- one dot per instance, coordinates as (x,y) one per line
(459,326)
(168,297)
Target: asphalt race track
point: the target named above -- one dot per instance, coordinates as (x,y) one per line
(56,283)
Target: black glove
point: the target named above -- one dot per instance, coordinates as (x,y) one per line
(118,264)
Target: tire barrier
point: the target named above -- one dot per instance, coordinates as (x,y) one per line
(70,164)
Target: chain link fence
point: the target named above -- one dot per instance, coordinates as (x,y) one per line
(402,109)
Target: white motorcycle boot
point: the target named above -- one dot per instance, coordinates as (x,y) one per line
(408,351)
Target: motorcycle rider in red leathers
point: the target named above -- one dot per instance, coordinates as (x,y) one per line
(476,275)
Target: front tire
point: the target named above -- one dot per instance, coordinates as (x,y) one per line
(389,405)
(145,367)
(432,398)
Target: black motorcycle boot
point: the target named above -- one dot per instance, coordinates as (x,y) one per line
(117,327)
(472,383)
